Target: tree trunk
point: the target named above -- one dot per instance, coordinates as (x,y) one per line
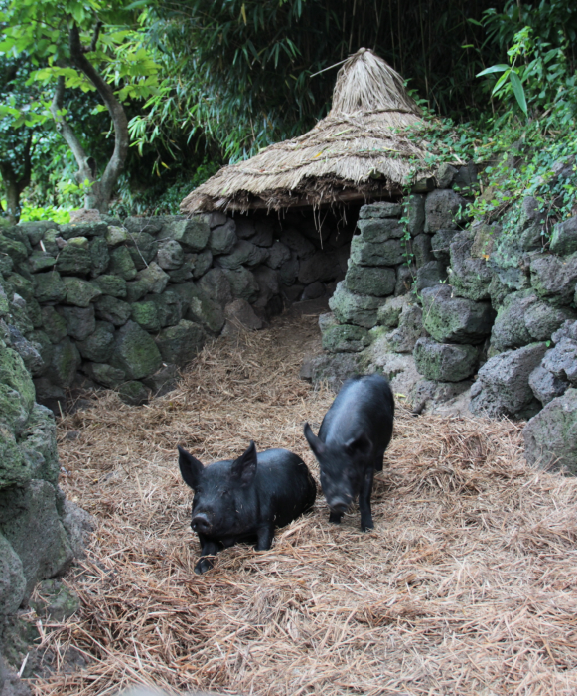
(15,186)
(102,189)
(12,200)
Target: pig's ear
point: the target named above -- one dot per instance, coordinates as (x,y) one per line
(317,445)
(243,469)
(361,444)
(190,467)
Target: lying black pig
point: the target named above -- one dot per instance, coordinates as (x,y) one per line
(245,499)
(351,443)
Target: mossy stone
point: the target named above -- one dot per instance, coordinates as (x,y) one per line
(50,243)
(13,469)
(17,392)
(40,261)
(116,236)
(17,251)
(202,309)
(345,338)
(39,447)
(80,293)
(142,247)
(170,255)
(74,260)
(106,375)
(6,264)
(146,315)
(352,308)
(121,264)
(54,324)
(37,534)
(243,283)
(180,344)
(112,309)
(13,587)
(380,229)
(192,234)
(80,321)
(136,290)
(155,278)
(34,312)
(169,307)
(19,284)
(98,346)
(387,253)
(135,352)
(445,362)
(370,281)
(455,319)
(44,346)
(133,393)
(49,287)
(111,285)
(202,263)
(65,361)
(99,256)
(74,230)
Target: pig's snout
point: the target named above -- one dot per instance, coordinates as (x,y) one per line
(201,523)
(339,504)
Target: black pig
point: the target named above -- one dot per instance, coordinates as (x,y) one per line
(245,499)
(351,443)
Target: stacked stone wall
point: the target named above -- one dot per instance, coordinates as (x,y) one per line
(481,318)
(40,531)
(124,304)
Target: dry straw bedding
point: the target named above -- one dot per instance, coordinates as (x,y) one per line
(467,585)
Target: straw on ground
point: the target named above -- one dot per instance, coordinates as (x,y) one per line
(467,585)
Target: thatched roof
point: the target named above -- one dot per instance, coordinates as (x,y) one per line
(357,152)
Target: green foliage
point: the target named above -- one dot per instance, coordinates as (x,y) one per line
(31,214)
(246,73)
(162,197)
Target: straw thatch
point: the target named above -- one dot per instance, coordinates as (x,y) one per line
(358,152)
(465,586)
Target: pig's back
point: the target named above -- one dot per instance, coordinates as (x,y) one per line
(285,483)
(364,404)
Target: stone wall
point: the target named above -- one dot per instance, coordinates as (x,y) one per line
(463,317)
(124,304)
(40,531)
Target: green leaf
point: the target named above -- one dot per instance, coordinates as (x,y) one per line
(493,69)
(519,92)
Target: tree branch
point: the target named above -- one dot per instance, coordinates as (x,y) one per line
(68,134)
(26,177)
(115,109)
(94,41)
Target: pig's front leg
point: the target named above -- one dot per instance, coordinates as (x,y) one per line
(365,500)
(208,548)
(335,517)
(264,537)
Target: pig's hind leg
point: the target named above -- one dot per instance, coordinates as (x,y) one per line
(379,460)
(365,500)
(208,548)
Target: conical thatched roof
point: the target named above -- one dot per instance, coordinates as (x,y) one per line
(355,153)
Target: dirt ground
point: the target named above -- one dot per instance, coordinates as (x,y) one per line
(467,584)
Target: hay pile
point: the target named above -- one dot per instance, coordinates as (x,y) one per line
(467,585)
(359,151)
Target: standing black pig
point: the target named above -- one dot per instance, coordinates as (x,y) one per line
(245,499)
(351,443)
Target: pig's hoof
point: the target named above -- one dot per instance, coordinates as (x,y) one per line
(203,566)
(367,527)
(335,519)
